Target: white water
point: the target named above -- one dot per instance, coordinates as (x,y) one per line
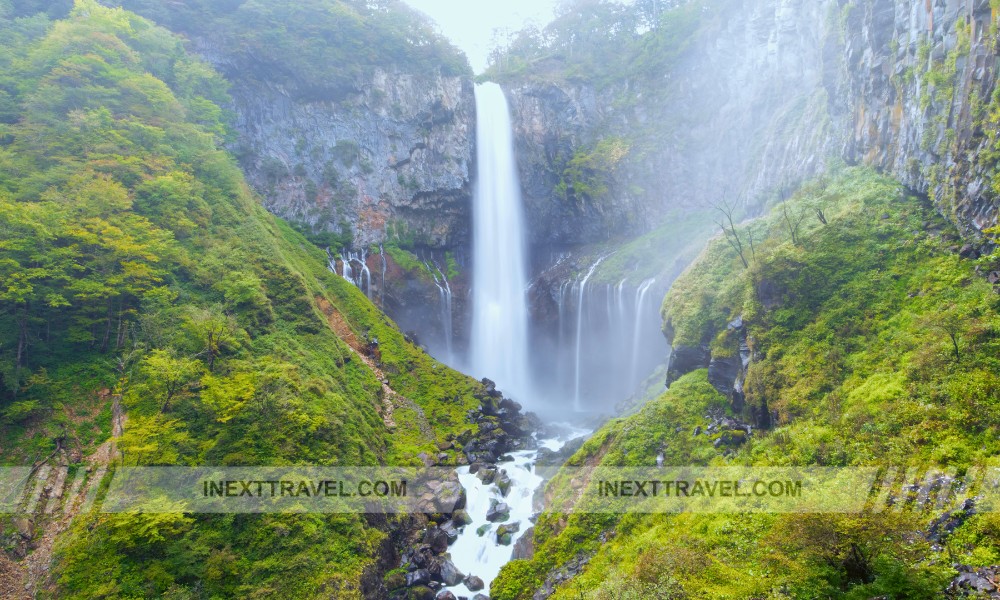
(499,342)
(444,298)
(483,556)
(640,299)
(578,374)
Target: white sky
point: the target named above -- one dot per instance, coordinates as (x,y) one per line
(470,24)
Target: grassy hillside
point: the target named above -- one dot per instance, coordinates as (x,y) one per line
(874,344)
(136,264)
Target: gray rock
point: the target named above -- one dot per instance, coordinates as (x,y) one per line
(474,583)
(524,547)
(499,511)
(418,577)
(450,575)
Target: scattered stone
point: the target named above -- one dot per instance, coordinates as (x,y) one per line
(483,530)
(480,597)
(474,583)
(993,277)
(446,595)
(461,518)
(982,580)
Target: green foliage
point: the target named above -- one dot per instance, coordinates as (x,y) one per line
(321,46)
(135,263)
(589,173)
(874,345)
(602,42)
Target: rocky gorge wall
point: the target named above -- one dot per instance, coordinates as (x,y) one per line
(767,94)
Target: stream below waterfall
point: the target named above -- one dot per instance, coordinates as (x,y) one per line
(477,551)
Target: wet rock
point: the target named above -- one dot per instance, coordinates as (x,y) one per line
(461,518)
(503,483)
(437,539)
(418,577)
(505,533)
(524,547)
(474,583)
(480,597)
(487,475)
(483,529)
(684,359)
(445,595)
(722,373)
(449,574)
(421,592)
(395,581)
(499,511)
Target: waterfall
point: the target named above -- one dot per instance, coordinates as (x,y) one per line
(499,341)
(579,335)
(348,272)
(444,295)
(381,288)
(640,298)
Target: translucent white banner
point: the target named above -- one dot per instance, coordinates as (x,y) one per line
(570,489)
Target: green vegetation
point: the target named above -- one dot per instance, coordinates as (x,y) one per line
(321,45)
(875,345)
(589,173)
(604,42)
(135,262)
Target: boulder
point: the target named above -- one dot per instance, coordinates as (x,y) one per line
(969,251)
(503,483)
(684,359)
(421,592)
(474,583)
(524,547)
(505,533)
(499,511)
(437,539)
(418,577)
(450,575)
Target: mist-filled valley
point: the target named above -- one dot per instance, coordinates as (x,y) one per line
(569,299)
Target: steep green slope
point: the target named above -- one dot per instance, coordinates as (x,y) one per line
(873,344)
(136,264)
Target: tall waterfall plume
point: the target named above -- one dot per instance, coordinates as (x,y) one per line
(499,342)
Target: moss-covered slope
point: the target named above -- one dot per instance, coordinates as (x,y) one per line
(873,343)
(136,267)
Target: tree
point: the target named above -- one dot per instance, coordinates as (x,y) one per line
(170,377)
(726,222)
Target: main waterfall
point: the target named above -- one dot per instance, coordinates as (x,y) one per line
(499,342)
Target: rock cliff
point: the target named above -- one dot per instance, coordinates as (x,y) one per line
(767,94)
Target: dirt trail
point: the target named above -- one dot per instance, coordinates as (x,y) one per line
(61,499)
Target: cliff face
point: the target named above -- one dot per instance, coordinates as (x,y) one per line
(390,156)
(767,94)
